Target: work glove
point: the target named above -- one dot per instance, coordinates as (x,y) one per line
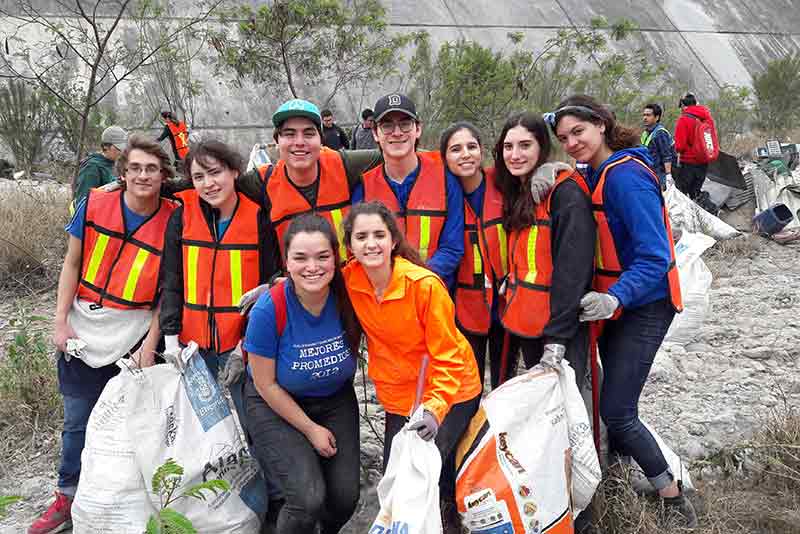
(544,178)
(250,298)
(172,352)
(74,348)
(552,355)
(233,369)
(427,427)
(668,181)
(598,306)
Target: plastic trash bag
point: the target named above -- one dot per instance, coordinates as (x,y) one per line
(687,216)
(676,465)
(696,281)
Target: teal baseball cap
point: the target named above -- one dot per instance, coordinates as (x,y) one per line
(297,108)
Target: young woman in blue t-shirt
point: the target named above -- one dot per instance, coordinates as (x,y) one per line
(301,406)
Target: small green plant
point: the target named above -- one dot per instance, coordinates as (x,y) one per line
(6,501)
(166,482)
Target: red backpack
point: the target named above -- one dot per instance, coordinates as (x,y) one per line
(705,144)
(279,301)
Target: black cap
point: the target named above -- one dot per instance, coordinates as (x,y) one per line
(395,102)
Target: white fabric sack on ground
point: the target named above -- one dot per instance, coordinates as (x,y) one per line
(187,417)
(696,281)
(687,216)
(676,465)
(94,325)
(409,490)
(112,497)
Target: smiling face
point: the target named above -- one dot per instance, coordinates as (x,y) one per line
(463,154)
(299,144)
(143,175)
(397,135)
(371,242)
(581,139)
(214,181)
(310,262)
(520,151)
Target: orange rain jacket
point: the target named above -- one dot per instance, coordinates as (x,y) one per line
(415,317)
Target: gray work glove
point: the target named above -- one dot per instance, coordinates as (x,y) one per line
(598,306)
(552,355)
(427,427)
(250,298)
(233,369)
(544,178)
(172,352)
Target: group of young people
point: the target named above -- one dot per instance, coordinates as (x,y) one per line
(431,256)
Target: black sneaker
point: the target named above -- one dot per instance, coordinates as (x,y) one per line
(683,506)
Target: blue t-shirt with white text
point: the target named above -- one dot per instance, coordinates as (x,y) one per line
(312,357)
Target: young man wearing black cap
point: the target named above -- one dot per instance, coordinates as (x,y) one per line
(429,205)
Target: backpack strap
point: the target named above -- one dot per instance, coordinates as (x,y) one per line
(278,295)
(692,115)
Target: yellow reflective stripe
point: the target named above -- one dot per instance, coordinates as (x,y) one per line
(236,276)
(501,237)
(477,264)
(97,256)
(135,272)
(424,236)
(336,216)
(598,254)
(532,235)
(191,276)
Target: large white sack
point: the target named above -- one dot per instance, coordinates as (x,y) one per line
(187,417)
(696,281)
(676,465)
(112,497)
(409,490)
(687,216)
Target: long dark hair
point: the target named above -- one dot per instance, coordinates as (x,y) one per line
(444,140)
(518,205)
(311,223)
(617,136)
(376,207)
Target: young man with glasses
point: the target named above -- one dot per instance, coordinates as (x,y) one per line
(106,305)
(429,205)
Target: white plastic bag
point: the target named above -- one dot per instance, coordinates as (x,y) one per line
(687,216)
(696,281)
(409,490)
(676,465)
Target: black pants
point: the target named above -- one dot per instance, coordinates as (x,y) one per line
(316,489)
(494,343)
(450,431)
(689,179)
(577,353)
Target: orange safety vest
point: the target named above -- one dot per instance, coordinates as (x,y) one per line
(531,270)
(333,197)
(216,273)
(607,266)
(485,259)
(118,269)
(180,134)
(426,210)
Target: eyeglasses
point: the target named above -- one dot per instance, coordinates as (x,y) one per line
(147,170)
(387,127)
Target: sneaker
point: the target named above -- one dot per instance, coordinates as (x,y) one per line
(57,518)
(684,507)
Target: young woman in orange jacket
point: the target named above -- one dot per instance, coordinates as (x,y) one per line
(406,313)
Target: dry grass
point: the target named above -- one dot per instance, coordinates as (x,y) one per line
(32,237)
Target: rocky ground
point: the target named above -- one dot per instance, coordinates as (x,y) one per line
(703,398)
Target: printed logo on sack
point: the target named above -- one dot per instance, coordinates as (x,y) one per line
(206,398)
(398,527)
(502,446)
(225,461)
(172,426)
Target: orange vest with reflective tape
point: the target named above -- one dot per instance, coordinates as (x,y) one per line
(333,197)
(607,265)
(180,134)
(531,270)
(216,272)
(118,269)
(426,210)
(485,259)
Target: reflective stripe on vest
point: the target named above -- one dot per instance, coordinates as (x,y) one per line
(607,265)
(531,272)
(485,260)
(118,269)
(216,273)
(425,212)
(333,197)
(180,134)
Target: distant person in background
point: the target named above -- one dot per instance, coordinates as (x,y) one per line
(97,169)
(362,133)
(177,133)
(658,141)
(691,154)
(332,135)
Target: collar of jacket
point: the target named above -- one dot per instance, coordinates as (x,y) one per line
(359,282)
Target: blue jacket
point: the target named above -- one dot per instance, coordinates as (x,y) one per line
(447,257)
(634,205)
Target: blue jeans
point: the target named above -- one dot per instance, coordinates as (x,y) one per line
(73,438)
(628,347)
